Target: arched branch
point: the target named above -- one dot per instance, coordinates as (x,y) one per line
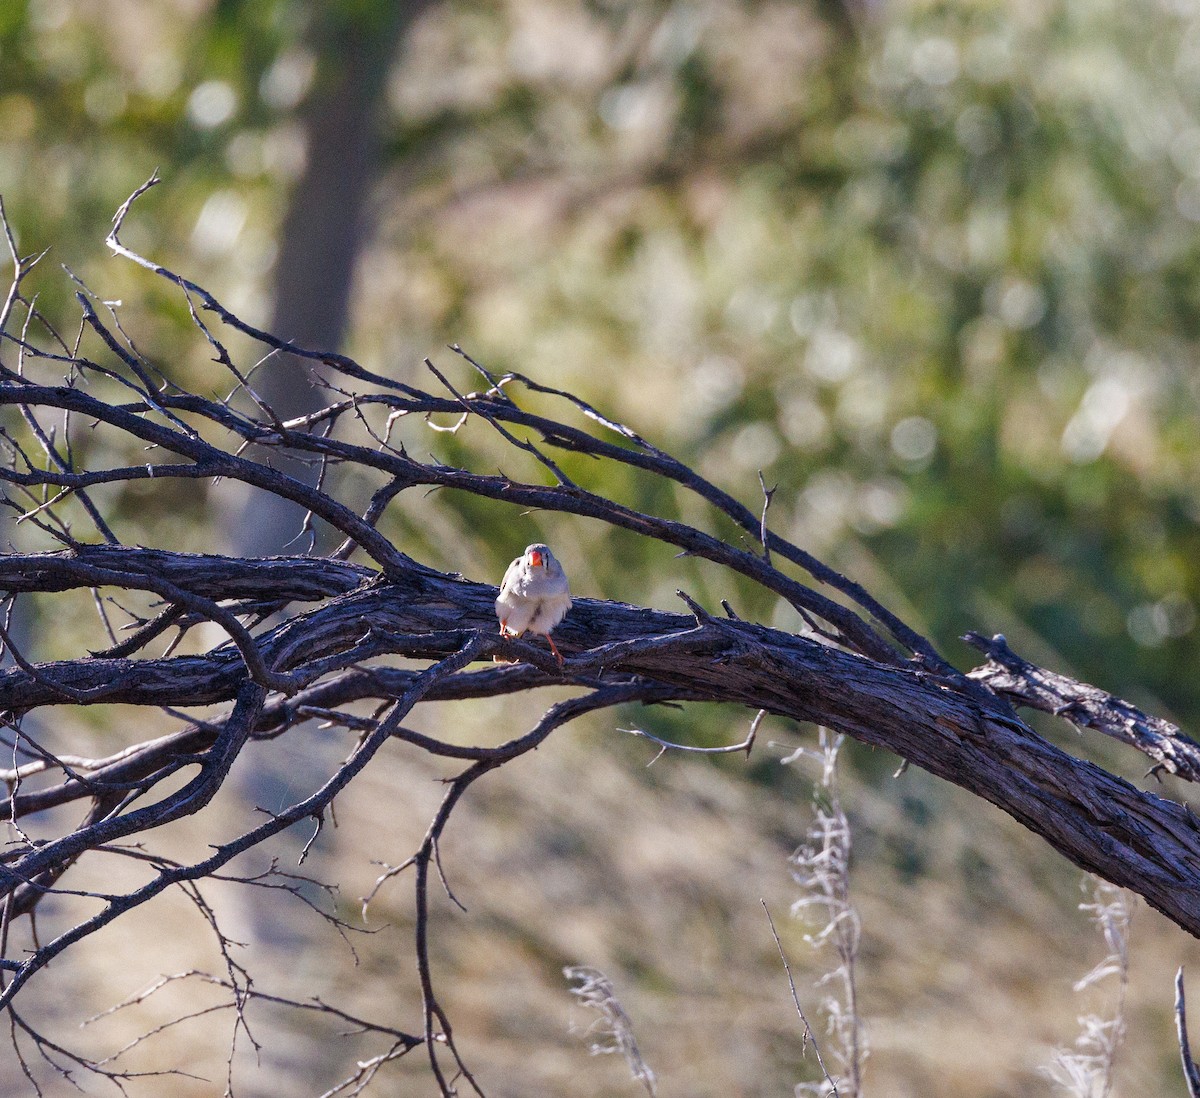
(358,643)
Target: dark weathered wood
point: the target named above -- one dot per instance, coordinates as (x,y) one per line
(306,636)
(287,579)
(1099,821)
(1024,683)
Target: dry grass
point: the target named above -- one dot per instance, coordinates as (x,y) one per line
(970,935)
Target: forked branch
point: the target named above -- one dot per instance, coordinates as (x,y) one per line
(311,637)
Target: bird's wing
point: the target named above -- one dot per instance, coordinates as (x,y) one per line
(511,575)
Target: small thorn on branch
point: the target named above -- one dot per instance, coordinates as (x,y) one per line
(768,495)
(701,615)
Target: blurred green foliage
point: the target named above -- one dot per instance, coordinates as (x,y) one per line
(931,268)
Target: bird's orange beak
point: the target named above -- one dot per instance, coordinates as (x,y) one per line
(536,559)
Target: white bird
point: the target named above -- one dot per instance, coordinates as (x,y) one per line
(534,595)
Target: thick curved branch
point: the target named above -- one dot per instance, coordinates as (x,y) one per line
(1085,706)
(973,739)
(282,579)
(315,638)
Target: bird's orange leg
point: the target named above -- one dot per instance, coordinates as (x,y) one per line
(504,633)
(554,649)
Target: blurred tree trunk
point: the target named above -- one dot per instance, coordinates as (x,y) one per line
(326,223)
(355,45)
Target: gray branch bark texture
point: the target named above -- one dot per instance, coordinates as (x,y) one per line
(311,636)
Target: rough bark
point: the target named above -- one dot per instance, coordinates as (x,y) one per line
(306,634)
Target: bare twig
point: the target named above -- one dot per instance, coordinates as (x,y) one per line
(360,638)
(1191,1073)
(809,1037)
(1085,706)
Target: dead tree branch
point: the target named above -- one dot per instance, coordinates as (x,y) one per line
(308,636)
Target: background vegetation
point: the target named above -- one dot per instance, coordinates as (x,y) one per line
(933,269)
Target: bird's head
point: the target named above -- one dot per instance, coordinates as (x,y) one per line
(538,555)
